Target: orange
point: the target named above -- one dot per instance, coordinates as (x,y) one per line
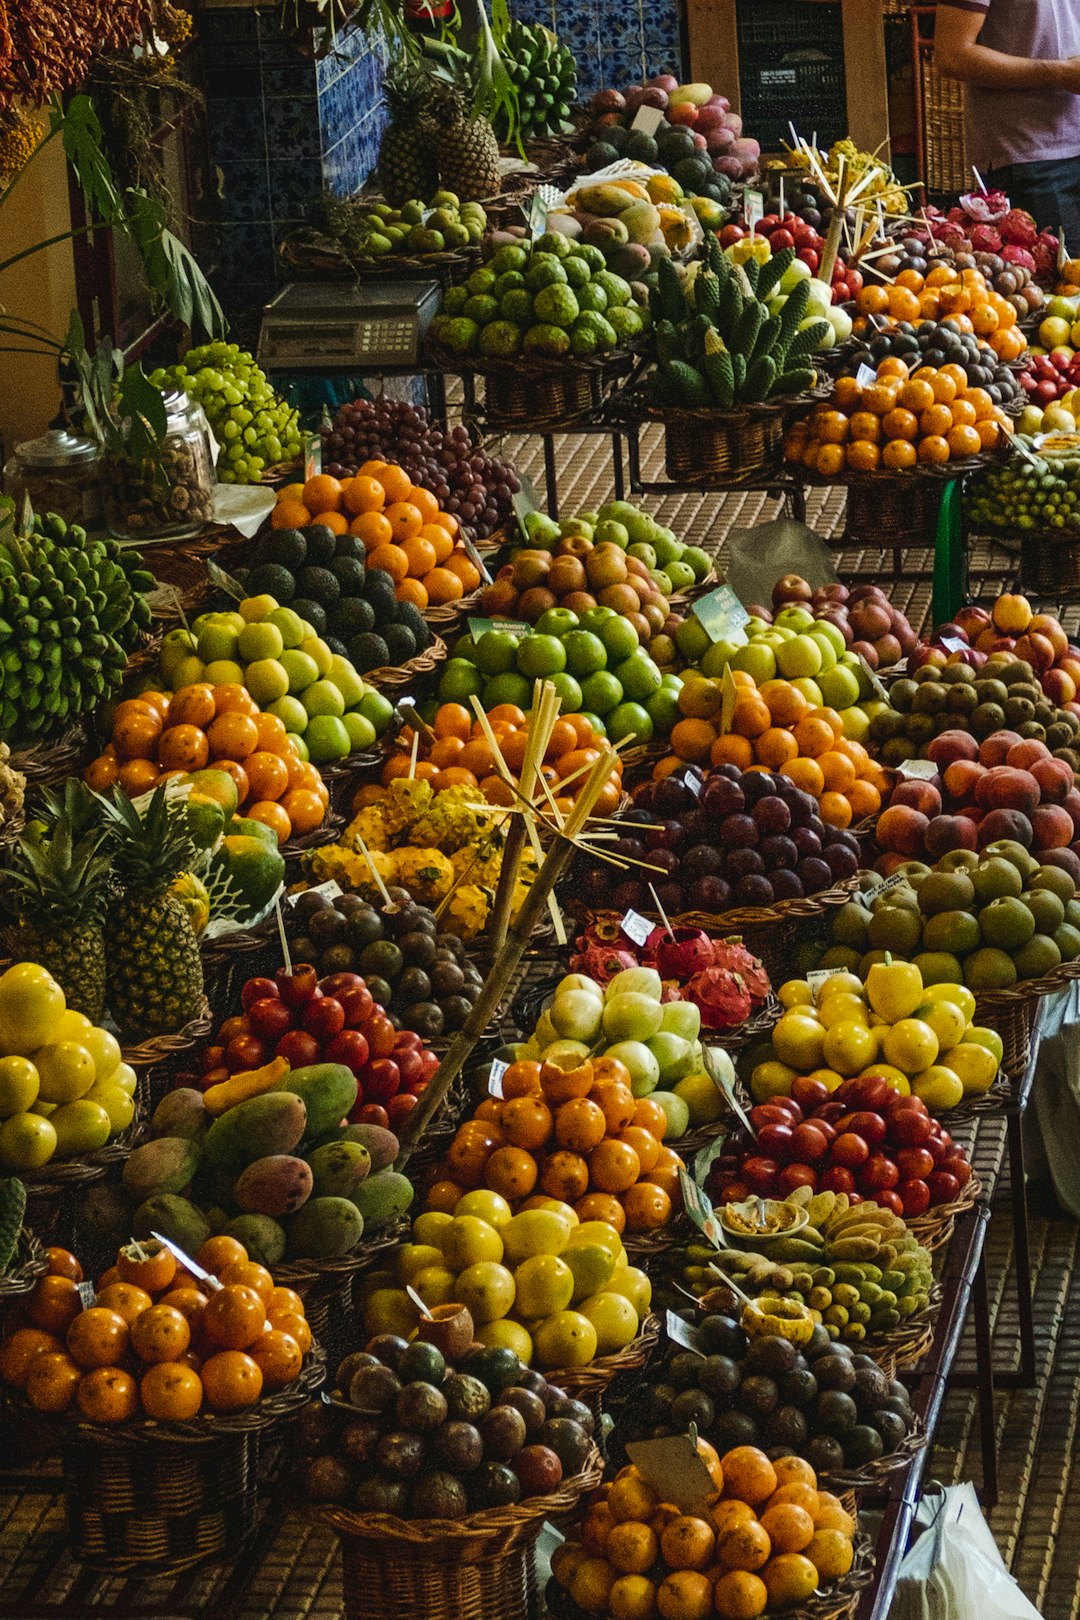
(865,425)
(900,424)
(838,771)
(238,774)
(916,395)
(288,1322)
(881,397)
(97,1337)
(272,736)
(62,1263)
(872,299)
(192,706)
(560,1085)
(187,1300)
(443,586)
(864,799)
(750,716)
(52,1380)
(913,280)
(361,495)
(745,1545)
(790,1527)
(846,393)
(739,1595)
(232,698)
(527,1121)
(964,441)
(647,1207)
(285,1299)
(831,1553)
(136,732)
(336,522)
(665,1174)
(272,815)
(685,1595)
(601,1207)
(231,1381)
(814,737)
(943,384)
(590,1585)
(267,775)
(898,455)
(439,539)
(453,720)
(108,1395)
(649,1116)
(632,1597)
(522,1079)
(934,449)
(565,1175)
(232,736)
(613,1166)
(373,528)
(171,1392)
(962,412)
(958,374)
(616,1100)
(631,1547)
(289,515)
(395,481)
(512,1172)
(646,1144)
(508,714)
(304,810)
(139,776)
(789,1579)
(405,520)
(797,1492)
(630,1497)
(391,559)
(126,1299)
(687,1542)
(730,750)
(775,747)
(693,739)
(322,494)
(831,427)
(412,590)
(862,456)
(17,1353)
(420,554)
(729,1512)
(991,435)
(462,565)
(103,773)
(425,502)
(938,419)
(831,459)
(278,1357)
(219,1253)
(54,1304)
(893,366)
(749,1476)
(580,1125)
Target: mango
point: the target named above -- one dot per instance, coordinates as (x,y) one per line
(164,1166)
(382,1144)
(383,1197)
(328,1091)
(175,1218)
(273,1123)
(663,188)
(603,200)
(324,1229)
(630,261)
(642,221)
(261,1236)
(338,1168)
(606,234)
(181,1113)
(276,1185)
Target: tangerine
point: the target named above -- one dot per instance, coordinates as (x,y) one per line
(512,1172)
(171,1391)
(231,1380)
(686,1594)
(790,1578)
(565,1176)
(54,1304)
(108,1395)
(98,1337)
(740,1595)
(126,1299)
(613,1166)
(278,1357)
(161,1334)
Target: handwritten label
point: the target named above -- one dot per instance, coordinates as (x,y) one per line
(674,1468)
(817,977)
(680,1332)
(699,1209)
(917,770)
(185,1260)
(224,581)
(648,120)
(495,1077)
(636,927)
(875,685)
(951,643)
(753,208)
(889,884)
(691,781)
(866,376)
(87,1294)
(475,557)
(331,889)
(513,627)
(720,613)
(716,1072)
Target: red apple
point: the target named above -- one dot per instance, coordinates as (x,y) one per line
(297,986)
(323,1017)
(245,1052)
(348,1047)
(269,1018)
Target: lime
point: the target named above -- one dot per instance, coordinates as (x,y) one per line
(601,692)
(629,720)
(360,730)
(18,1085)
(117,1103)
(327,738)
(507,1336)
(105,1051)
(254,608)
(291,712)
(322,697)
(489,1206)
(532,1232)
(317,649)
(258,641)
(27,1141)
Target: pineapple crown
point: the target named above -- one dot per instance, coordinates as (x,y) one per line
(407,89)
(151,847)
(62,878)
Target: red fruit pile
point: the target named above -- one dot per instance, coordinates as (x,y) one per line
(304,1019)
(863,1139)
(865,617)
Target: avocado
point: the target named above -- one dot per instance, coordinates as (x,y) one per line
(350,574)
(321,544)
(272,579)
(347,545)
(599,155)
(313,612)
(640,147)
(368,651)
(352,615)
(400,643)
(336,646)
(319,584)
(379,591)
(287,547)
(409,614)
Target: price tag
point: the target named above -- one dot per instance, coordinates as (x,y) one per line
(866,376)
(720,1080)
(331,889)
(225,581)
(87,1294)
(700,1209)
(313,456)
(817,976)
(875,685)
(691,780)
(495,1077)
(951,643)
(680,1332)
(185,1260)
(648,120)
(538,213)
(475,557)
(917,770)
(636,927)
(1063,252)
(675,1470)
(728,693)
(890,883)
(720,613)
(753,208)
(513,627)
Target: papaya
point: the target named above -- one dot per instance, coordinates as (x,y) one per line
(328,1091)
(602,200)
(163,1166)
(273,1123)
(324,1229)
(383,1197)
(642,221)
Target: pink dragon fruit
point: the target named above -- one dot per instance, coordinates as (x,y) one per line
(721,997)
(1045,254)
(1019,228)
(602,962)
(679,954)
(733,954)
(984,206)
(1013,254)
(985,239)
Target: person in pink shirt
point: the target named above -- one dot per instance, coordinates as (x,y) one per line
(1019,62)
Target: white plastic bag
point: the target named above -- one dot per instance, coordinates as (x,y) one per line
(955,1571)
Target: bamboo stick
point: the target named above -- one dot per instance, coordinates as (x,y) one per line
(535,748)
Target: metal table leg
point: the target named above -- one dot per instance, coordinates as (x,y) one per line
(617,467)
(980,1303)
(1023,1376)
(551,476)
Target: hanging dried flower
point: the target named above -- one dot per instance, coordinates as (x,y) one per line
(46,46)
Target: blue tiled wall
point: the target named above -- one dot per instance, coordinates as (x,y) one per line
(281,126)
(615,44)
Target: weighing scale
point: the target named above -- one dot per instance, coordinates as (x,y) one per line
(333,326)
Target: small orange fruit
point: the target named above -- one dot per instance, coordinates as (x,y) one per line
(98,1337)
(171,1391)
(739,1595)
(150,1266)
(161,1334)
(108,1395)
(52,1380)
(54,1304)
(278,1357)
(231,1380)
(234,1317)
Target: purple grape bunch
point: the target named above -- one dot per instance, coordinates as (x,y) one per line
(476,487)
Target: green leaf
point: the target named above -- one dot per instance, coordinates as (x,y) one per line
(170,268)
(81,134)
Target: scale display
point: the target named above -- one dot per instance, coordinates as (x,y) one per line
(335,326)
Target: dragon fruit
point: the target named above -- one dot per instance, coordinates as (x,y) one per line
(733,954)
(599,953)
(985,239)
(984,206)
(1019,229)
(1013,254)
(721,997)
(679,954)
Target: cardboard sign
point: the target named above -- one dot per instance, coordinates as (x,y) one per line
(495,1077)
(728,694)
(224,581)
(917,770)
(636,927)
(648,120)
(753,208)
(675,1470)
(720,613)
(680,1332)
(513,627)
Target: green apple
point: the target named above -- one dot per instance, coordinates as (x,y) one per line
(556,621)
(681,1018)
(538,656)
(360,729)
(799,657)
(176,645)
(832,633)
(643,1067)
(644,553)
(217,642)
(639,981)
(509,688)
(321,698)
(701,1098)
(376,708)
(568,692)
(699,560)
(327,737)
(794,617)
(663,709)
(258,641)
(267,681)
(674,1055)
(496,652)
(810,690)
(620,639)
(585,653)
(594,617)
(346,680)
(718,655)
(577,1014)
(839,687)
(253,609)
(757,660)
(662,581)
(692,639)
(301,669)
(614,533)
(667,548)
(629,720)
(187,672)
(828,651)
(676,1112)
(638,676)
(601,692)
(291,712)
(680,574)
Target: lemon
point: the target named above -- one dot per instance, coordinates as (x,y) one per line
(535,1231)
(614,1318)
(985,1037)
(799,1039)
(81,1127)
(125,1077)
(938,1087)
(946,1019)
(390,1310)
(429,1228)
(414,1257)
(592,1266)
(115,1101)
(103,1048)
(27,1141)
(467,1241)
(66,1071)
(18,1085)
(829,1078)
(544,1285)
(634,1285)
(772,1079)
(895,1077)
(486,1290)
(486,1205)
(849,1047)
(844,1005)
(958,993)
(565,1340)
(31,1006)
(911,1045)
(507,1336)
(838,984)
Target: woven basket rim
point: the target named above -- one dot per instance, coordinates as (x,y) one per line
(599,1373)
(939,1214)
(340,1267)
(85,1167)
(1028,989)
(872,1475)
(727,922)
(714,416)
(420,664)
(485,365)
(22,1278)
(156,1048)
(325,833)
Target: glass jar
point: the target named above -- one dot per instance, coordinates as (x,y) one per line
(61,472)
(175,499)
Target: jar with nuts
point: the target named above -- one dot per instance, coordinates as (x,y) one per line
(172,497)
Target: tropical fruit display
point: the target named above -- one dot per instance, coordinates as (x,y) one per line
(985,920)
(763,1537)
(414,230)
(442,1428)
(556,1291)
(635,219)
(255,428)
(71,611)
(588,1132)
(920,1037)
(724,980)
(689,110)
(435,844)
(1001,239)
(932,343)
(549,297)
(64,1090)
(1037,641)
(952,314)
(156,1342)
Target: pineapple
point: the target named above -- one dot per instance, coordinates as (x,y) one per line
(155,980)
(57,890)
(407,167)
(466,149)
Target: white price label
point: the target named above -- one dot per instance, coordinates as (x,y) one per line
(699,1208)
(917,770)
(680,1332)
(495,1077)
(87,1294)
(890,883)
(753,208)
(648,120)
(636,927)
(331,889)
(951,643)
(817,976)
(690,779)
(866,376)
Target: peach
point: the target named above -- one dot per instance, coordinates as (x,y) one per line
(971,620)
(1038,651)
(922,796)
(995,750)
(889,650)
(992,641)
(1055,778)
(1009,789)
(902,830)
(948,746)
(1011,614)
(1023,755)
(946,833)
(889,863)
(961,778)
(1071,803)
(1052,827)
(1005,824)
(1045,624)
(1067,859)
(1058,685)
(1071,665)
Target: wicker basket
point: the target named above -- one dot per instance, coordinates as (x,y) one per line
(54,758)
(714,447)
(935,1228)
(157,1048)
(589,1383)
(537,392)
(482,1567)
(1012,1012)
(906,1345)
(320,1282)
(875,1476)
(33,1263)
(1050,565)
(404,674)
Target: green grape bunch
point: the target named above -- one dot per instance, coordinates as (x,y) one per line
(254,426)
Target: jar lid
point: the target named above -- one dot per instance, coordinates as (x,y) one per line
(57,448)
(178,405)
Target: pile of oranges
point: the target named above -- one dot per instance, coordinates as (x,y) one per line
(156,1342)
(462,756)
(766,1539)
(897,421)
(157,735)
(945,292)
(777,728)
(577,1135)
(401,525)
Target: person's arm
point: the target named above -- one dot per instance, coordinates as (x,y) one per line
(959,55)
